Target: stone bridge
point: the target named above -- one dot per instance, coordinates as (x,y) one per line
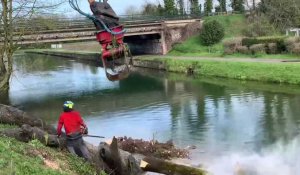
(146,38)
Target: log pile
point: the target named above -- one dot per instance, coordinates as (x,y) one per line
(152,148)
(108,157)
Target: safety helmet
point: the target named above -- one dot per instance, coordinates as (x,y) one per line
(68,105)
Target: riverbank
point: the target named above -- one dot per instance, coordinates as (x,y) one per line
(78,55)
(265,70)
(34,158)
(255,69)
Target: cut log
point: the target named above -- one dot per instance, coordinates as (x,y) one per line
(27,133)
(13,116)
(122,162)
(97,161)
(165,167)
(125,163)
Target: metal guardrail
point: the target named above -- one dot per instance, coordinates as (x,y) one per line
(40,24)
(43,24)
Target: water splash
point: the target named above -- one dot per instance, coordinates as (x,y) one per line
(279,159)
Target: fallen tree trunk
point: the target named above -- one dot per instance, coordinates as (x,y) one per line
(164,167)
(121,161)
(13,116)
(126,163)
(27,133)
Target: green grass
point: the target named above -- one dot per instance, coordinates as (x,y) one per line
(234,26)
(193,46)
(35,159)
(263,56)
(258,71)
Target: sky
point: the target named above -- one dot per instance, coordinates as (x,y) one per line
(119,6)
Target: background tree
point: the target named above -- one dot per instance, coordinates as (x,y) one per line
(181,6)
(222,4)
(253,5)
(7,45)
(195,9)
(208,6)
(150,9)
(170,7)
(160,9)
(218,9)
(281,13)
(212,33)
(132,10)
(12,13)
(238,5)
(200,8)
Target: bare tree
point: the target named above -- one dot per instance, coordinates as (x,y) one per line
(12,12)
(281,13)
(132,10)
(253,5)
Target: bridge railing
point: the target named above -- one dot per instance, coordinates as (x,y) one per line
(42,24)
(150,18)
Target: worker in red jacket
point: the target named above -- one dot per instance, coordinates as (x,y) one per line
(75,128)
(103,11)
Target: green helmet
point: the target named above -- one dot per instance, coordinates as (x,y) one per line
(68,105)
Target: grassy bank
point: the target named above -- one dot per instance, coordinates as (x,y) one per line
(35,159)
(234,26)
(258,71)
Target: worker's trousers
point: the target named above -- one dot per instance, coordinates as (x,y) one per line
(77,146)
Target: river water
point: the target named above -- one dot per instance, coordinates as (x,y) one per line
(237,127)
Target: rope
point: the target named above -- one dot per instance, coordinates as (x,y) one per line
(75,6)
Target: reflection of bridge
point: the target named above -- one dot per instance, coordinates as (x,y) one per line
(156,37)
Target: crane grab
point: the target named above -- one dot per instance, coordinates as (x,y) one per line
(115,54)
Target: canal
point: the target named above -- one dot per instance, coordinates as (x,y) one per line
(234,124)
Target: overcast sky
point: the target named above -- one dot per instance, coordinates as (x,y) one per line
(118,5)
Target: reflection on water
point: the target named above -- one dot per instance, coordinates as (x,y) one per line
(224,119)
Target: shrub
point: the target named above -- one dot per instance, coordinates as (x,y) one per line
(230,46)
(233,43)
(259,26)
(296,49)
(271,48)
(291,42)
(228,51)
(281,47)
(212,33)
(257,48)
(262,40)
(243,50)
